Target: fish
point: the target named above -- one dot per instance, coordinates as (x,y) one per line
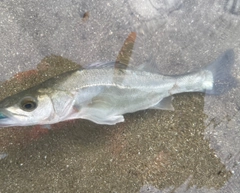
(104,92)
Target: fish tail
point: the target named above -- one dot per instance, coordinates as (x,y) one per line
(221,71)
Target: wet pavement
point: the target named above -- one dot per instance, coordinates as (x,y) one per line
(192,149)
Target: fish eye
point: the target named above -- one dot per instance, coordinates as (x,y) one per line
(28,104)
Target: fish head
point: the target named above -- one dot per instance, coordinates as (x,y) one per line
(26,108)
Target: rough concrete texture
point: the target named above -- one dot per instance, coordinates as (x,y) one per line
(192,149)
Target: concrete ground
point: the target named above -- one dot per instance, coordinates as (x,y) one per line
(192,149)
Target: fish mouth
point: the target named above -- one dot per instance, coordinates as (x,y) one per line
(3,116)
(5,119)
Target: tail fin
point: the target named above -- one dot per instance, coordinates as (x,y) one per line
(221,70)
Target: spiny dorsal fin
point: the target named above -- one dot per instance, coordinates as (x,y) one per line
(125,53)
(123,57)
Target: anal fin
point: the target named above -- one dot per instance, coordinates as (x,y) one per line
(164,104)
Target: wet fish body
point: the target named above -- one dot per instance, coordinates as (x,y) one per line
(103,93)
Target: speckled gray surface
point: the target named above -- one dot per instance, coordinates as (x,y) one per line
(193,149)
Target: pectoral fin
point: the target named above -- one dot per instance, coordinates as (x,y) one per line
(165,104)
(112,120)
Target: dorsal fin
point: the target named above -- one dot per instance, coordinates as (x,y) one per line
(107,65)
(123,57)
(125,53)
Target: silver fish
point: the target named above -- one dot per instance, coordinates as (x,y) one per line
(103,93)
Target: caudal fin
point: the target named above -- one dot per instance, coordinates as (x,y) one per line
(221,70)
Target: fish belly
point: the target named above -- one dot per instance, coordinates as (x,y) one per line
(109,106)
